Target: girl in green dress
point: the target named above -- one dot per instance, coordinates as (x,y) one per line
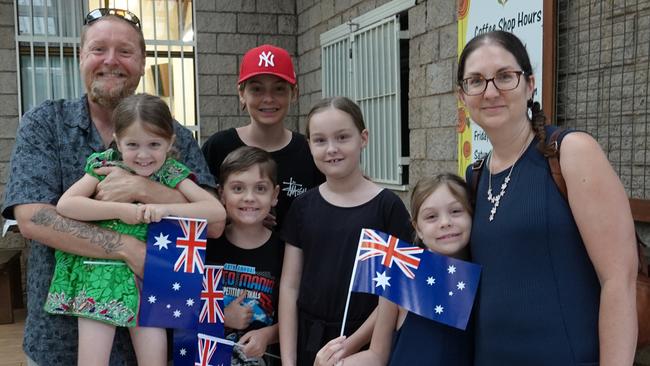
(106,295)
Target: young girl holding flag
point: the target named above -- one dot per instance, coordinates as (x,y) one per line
(106,295)
(442,220)
(322,231)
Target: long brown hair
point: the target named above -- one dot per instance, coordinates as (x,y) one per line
(344,105)
(151,111)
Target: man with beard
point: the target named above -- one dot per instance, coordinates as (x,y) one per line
(52,144)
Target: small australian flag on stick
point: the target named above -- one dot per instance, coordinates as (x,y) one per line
(426,283)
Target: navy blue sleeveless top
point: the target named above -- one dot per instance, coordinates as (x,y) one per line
(421,341)
(539,294)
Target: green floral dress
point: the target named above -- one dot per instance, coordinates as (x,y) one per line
(107,292)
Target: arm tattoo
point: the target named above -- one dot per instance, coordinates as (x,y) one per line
(108,240)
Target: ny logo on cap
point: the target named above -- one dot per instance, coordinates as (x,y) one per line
(267,58)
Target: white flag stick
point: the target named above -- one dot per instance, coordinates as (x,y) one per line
(105,263)
(354,271)
(233,344)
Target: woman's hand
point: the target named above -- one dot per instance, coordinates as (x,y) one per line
(332,353)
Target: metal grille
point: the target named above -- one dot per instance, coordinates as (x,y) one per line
(603,81)
(47,38)
(375,56)
(48,46)
(370,75)
(336,65)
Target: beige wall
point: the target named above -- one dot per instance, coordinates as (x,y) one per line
(226,30)
(8,88)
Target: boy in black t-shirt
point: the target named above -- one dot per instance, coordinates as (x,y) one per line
(250,253)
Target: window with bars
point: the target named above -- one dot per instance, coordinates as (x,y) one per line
(603,81)
(366,60)
(47,39)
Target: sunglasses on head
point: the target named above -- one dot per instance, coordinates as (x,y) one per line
(96,14)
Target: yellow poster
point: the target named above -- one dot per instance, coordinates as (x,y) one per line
(464,131)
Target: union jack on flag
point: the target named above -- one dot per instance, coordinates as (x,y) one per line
(192,344)
(373,244)
(170,298)
(207,346)
(201,349)
(206,353)
(431,285)
(191,243)
(212,295)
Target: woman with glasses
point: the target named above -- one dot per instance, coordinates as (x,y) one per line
(558,281)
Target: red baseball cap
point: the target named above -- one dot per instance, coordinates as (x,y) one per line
(267,59)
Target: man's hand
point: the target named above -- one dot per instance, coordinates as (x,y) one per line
(118,186)
(133,254)
(238,316)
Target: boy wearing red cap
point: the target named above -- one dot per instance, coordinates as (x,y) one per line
(267,86)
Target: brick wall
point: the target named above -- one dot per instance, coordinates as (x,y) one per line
(225,31)
(8,114)
(603,84)
(8,104)
(432,102)
(315,18)
(8,88)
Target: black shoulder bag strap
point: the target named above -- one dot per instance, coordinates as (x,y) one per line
(477,168)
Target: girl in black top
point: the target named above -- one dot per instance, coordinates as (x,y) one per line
(322,232)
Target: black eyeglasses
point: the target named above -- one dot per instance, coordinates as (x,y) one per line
(503,81)
(96,14)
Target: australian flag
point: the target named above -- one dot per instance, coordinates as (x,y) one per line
(200,349)
(431,285)
(173,273)
(197,346)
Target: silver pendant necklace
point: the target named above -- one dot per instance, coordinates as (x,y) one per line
(494,200)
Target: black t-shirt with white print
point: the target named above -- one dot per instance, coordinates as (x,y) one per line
(296,169)
(255,272)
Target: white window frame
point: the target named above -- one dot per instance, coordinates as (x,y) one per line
(161,54)
(361,60)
